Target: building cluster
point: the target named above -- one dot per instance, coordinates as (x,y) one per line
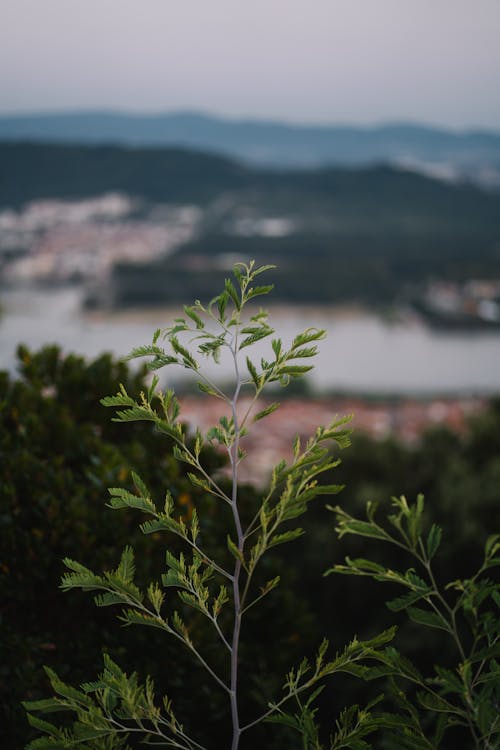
(476,299)
(270,440)
(58,241)
(61,240)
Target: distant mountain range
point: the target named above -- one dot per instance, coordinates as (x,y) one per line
(449,155)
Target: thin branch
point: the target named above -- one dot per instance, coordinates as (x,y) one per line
(237,567)
(207,666)
(248,606)
(165,626)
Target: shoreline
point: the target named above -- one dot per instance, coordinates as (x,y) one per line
(347,311)
(366,353)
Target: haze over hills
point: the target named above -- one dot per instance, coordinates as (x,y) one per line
(443,153)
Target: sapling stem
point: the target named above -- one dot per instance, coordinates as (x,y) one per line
(237,567)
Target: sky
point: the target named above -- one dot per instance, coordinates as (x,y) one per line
(314,61)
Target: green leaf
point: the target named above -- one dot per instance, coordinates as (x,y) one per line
(487,715)
(251,329)
(231,291)
(121,498)
(121,399)
(361,528)
(310,334)
(66,691)
(492,545)
(488,652)
(80,577)
(237,553)
(126,568)
(155,525)
(448,680)
(262,269)
(405,601)
(134,617)
(433,541)
(287,536)
(328,489)
(141,486)
(199,482)
(424,617)
(309,351)
(108,599)
(51,729)
(187,598)
(191,313)
(136,414)
(222,301)
(259,290)
(162,360)
(433,702)
(187,359)
(145,351)
(258,335)
(253,373)
(152,388)
(209,390)
(265,412)
(368,566)
(173,578)
(46,705)
(294,371)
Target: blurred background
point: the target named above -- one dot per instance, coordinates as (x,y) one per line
(147,147)
(144,150)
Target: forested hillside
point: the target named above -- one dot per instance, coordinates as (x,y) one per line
(35,170)
(337,234)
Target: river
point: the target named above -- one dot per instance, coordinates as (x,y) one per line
(361,354)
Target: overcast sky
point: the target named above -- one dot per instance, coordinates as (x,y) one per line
(347,61)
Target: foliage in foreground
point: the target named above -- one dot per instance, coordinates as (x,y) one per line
(117,707)
(220,585)
(465,695)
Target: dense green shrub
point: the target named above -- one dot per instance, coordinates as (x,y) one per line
(58,453)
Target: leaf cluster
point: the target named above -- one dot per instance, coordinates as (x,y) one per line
(466,610)
(108,713)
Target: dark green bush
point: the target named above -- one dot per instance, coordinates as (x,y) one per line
(59,452)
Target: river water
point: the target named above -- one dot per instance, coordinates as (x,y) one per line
(362,353)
